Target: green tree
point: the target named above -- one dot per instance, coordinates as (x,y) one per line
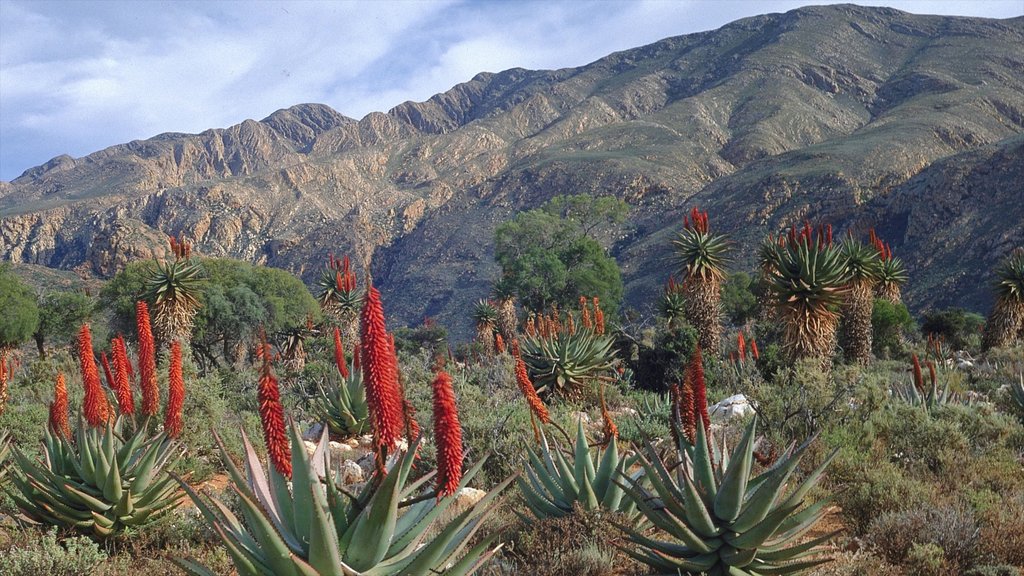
(890,324)
(119,294)
(550,255)
(739,303)
(60,316)
(19,314)
(960,329)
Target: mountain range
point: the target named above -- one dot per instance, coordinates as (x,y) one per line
(861,117)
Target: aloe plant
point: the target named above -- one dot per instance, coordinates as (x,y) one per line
(562,363)
(720,518)
(5,446)
(100,483)
(342,405)
(1016,392)
(553,487)
(315,528)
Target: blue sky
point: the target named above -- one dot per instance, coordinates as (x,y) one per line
(77,76)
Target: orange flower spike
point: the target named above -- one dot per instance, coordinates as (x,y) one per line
(95,403)
(700,399)
(526,387)
(106,370)
(122,380)
(272,419)
(147,362)
(931,373)
(447,436)
(585,319)
(686,408)
(609,429)
(918,378)
(339,354)
(753,349)
(741,346)
(380,374)
(499,344)
(598,317)
(175,393)
(58,421)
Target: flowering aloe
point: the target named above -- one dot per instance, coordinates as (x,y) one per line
(122,377)
(537,407)
(865,268)
(380,374)
(272,419)
(701,257)
(339,296)
(339,354)
(95,404)
(447,435)
(892,273)
(175,393)
(58,420)
(1006,321)
(147,361)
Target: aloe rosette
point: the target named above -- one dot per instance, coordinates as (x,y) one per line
(342,405)
(720,518)
(563,363)
(553,486)
(314,528)
(100,483)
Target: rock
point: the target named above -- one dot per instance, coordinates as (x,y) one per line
(353,442)
(581,416)
(465,498)
(367,462)
(736,406)
(310,447)
(351,472)
(314,432)
(365,441)
(340,452)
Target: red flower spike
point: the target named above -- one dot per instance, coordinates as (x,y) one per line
(380,374)
(95,403)
(106,370)
(122,380)
(58,421)
(499,344)
(687,418)
(272,418)
(753,350)
(175,393)
(147,362)
(931,372)
(536,405)
(918,378)
(741,346)
(412,427)
(447,436)
(339,354)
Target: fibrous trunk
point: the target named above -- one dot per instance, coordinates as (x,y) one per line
(703,298)
(507,319)
(857,323)
(889,291)
(1004,323)
(809,333)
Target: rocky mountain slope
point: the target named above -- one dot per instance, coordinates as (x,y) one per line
(858,116)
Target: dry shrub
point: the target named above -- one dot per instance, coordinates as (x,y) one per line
(912,536)
(580,544)
(1002,532)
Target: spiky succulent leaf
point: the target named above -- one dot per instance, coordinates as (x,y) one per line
(720,518)
(485,314)
(701,254)
(316,530)
(94,485)
(550,494)
(173,289)
(342,405)
(1010,277)
(563,363)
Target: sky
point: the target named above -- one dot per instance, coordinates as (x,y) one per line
(77,76)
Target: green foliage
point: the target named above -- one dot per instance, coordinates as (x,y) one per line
(119,294)
(890,326)
(43,554)
(313,528)
(100,483)
(554,488)
(548,257)
(342,405)
(723,519)
(19,314)
(563,364)
(662,362)
(739,303)
(431,337)
(1010,277)
(960,329)
(60,316)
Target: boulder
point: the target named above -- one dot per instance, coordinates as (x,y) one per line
(735,406)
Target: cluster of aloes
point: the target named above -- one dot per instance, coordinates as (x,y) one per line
(92,478)
(807,279)
(339,296)
(892,274)
(672,305)
(926,396)
(701,256)
(313,527)
(561,357)
(864,266)
(1006,322)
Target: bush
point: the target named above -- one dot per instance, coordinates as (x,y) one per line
(739,303)
(890,325)
(959,328)
(867,489)
(952,530)
(663,362)
(43,554)
(573,545)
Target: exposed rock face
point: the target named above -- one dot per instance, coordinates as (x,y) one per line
(859,116)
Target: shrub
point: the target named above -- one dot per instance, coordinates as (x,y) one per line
(953,530)
(890,325)
(571,545)
(926,560)
(959,328)
(35,556)
(868,488)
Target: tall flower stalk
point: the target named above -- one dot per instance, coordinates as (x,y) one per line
(95,404)
(271,411)
(175,393)
(380,374)
(122,377)
(339,354)
(58,421)
(537,407)
(147,362)
(701,257)
(447,436)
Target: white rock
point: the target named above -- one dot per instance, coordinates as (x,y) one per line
(340,452)
(310,447)
(351,473)
(366,440)
(581,416)
(736,406)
